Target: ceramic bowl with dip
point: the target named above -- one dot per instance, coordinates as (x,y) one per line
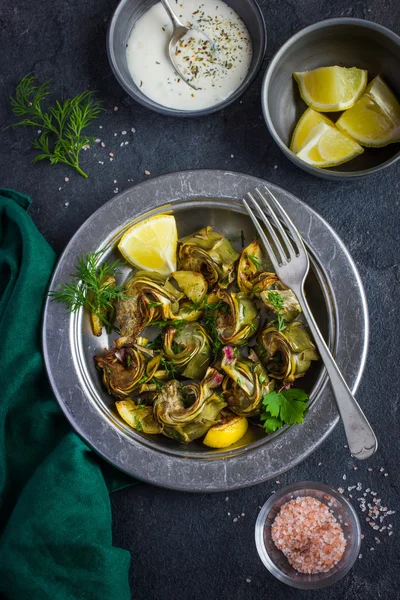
(137,43)
(344,42)
(317,531)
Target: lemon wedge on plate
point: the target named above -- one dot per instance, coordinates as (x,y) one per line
(305,128)
(375,119)
(329,147)
(330,89)
(151,244)
(226,434)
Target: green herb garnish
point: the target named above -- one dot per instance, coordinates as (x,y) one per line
(284,407)
(61,139)
(254,260)
(276,302)
(90,289)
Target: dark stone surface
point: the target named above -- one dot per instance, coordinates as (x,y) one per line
(187,546)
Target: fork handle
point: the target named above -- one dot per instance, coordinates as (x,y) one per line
(360,436)
(172,15)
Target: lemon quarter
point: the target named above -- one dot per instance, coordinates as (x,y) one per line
(329,147)
(305,128)
(226,434)
(375,119)
(151,244)
(330,89)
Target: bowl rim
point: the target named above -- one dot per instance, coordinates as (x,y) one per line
(324,173)
(173,112)
(270,564)
(130,454)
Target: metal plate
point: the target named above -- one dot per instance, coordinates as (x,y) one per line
(199,198)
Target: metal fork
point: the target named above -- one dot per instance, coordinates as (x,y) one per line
(291,266)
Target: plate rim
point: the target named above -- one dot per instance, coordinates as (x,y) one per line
(227,473)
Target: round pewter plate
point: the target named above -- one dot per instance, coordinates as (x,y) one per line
(197,199)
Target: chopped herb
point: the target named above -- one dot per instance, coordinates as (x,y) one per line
(276,301)
(254,260)
(153,304)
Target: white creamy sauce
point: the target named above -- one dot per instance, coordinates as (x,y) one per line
(216,63)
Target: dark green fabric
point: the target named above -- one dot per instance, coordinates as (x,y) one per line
(55,518)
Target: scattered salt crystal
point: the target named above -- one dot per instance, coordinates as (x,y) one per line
(66,204)
(111,159)
(243,514)
(126,143)
(360,556)
(116,191)
(123,132)
(59,189)
(101,162)
(381,470)
(229,514)
(235,520)
(362,536)
(248,580)
(277,482)
(102,144)
(232,156)
(390,533)
(121,144)
(319,464)
(115,108)
(341,490)
(115,181)
(115,134)
(386,475)
(66,179)
(355,468)
(275,166)
(100,126)
(344,477)
(111,154)
(369,469)
(97,140)
(372,549)
(133,130)
(147,172)
(39,131)
(226,499)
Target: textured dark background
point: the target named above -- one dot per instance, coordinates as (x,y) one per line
(188,546)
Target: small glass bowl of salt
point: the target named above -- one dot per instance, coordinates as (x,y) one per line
(308,535)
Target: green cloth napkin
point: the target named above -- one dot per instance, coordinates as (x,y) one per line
(55,517)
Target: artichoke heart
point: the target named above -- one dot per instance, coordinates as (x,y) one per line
(246,383)
(122,369)
(188,349)
(250,266)
(140,418)
(236,317)
(192,284)
(211,254)
(273,292)
(186,423)
(287,354)
(151,297)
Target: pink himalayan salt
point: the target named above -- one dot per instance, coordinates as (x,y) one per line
(308,535)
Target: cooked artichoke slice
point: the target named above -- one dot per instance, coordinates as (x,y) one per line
(192,284)
(211,254)
(140,418)
(287,354)
(186,423)
(250,266)
(188,349)
(122,369)
(236,317)
(272,291)
(246,383)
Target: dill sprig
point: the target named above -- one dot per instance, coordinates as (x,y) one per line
(61,139)
(93,287)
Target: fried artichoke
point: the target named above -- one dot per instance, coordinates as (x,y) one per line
(236,317)
(246,382)
(122,370)
(250,266)
(275,295)
(151,297)
(187,412)
(188,349)
(211,254)
(287,354)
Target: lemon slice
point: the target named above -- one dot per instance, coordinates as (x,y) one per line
(331,89)
(329,147)
(375,119)
(151,244)
(305,128)
(226,434)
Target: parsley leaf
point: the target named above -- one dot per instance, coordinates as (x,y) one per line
(276,301)
(283,407)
